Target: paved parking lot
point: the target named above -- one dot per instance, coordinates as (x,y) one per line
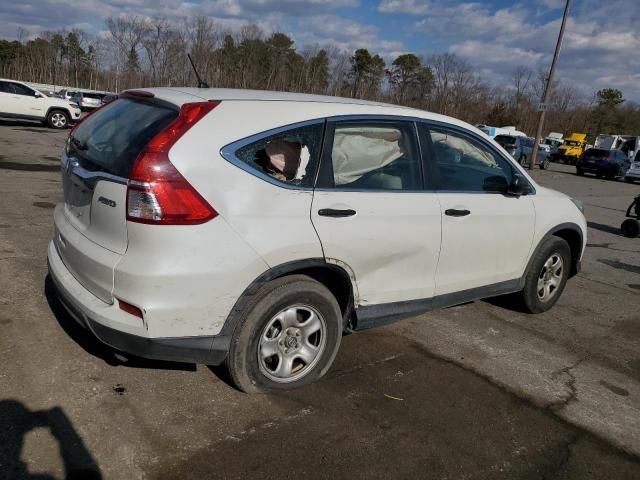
(475,391)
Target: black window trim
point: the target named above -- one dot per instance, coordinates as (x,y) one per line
(326,166)
(429,160)
(228,152)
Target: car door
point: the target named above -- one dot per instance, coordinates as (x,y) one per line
(486,234)
(372,213)
(28,102)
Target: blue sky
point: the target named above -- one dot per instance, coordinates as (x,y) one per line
(601,43)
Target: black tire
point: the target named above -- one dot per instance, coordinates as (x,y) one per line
(545,164)
(58,119)
(579,172)
(630,228)
(246,371)
(523,160)
(628,179)
(551,247)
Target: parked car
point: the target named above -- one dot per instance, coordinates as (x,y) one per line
(519,147)
(572,149)
(633,173)
(18,100)
(87,101)
(603,163)
(65,94)
(108,98)
(254,228)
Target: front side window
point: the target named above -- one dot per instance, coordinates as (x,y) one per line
(371,155)
(22,90)
(465,164)
(290,156)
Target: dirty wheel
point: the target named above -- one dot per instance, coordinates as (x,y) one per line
(289,336)
(547,275)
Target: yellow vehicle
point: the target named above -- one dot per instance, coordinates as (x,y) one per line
(573,147)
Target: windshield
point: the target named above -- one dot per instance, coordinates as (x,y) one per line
(572,143)
(111,139)
(92,95)
(505,140)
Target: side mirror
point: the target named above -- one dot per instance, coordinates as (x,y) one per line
(38,95)
(519,186)
(495,184)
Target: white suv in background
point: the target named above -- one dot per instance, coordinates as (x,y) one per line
(254,228)
(18,100)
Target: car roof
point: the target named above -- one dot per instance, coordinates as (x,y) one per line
(263,95)
(181,95)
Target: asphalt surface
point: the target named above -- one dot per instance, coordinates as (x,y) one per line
(472,392)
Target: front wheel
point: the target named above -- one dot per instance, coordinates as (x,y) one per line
(57,119)
(289,336)
(579,172)
(547,275)
(545,164)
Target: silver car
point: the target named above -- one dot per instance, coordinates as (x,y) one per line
(87,101)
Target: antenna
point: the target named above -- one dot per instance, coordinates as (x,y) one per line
(201,84)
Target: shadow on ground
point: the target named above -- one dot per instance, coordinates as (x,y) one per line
(17,421)
(605,228)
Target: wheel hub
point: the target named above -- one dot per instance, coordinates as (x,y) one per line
(292,343)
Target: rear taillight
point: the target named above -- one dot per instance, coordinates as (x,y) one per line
(157,193)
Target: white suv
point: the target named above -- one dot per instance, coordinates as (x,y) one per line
(18,100)
(254,228)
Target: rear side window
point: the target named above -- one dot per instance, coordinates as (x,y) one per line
(288,156)
(465,164)
(371,155)
(111,139)
(5,87)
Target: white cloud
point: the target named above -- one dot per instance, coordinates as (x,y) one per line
(412,7)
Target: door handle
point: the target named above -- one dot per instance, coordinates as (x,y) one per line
(333,212)
(453,212)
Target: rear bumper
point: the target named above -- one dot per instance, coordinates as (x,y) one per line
(598,169)
(103,320)
(557,157)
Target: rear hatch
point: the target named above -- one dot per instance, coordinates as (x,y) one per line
(592,158)
(97,161)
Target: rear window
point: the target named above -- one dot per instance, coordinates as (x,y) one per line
(505,140)
(111,139)
(597,154)
(92,95)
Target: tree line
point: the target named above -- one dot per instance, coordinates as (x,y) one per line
(142,52)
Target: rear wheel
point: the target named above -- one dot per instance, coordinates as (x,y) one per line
(288,337)
(58,119)
(628,179)
(579,172)
(545,164)
(630,228)
(547,275)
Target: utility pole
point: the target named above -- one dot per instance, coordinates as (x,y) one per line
(545,95)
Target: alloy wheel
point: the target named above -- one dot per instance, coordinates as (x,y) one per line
(58,120)
(550,277)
